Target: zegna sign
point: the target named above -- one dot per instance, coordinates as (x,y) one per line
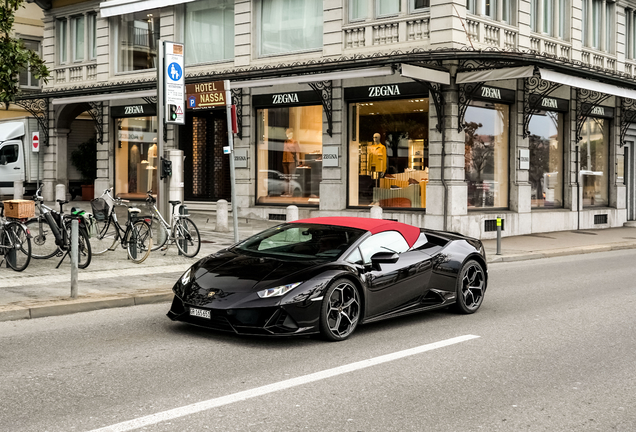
(385,91)
(287,99)
(600,111)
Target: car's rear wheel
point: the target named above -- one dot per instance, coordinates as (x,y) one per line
(340,312)
(471,286)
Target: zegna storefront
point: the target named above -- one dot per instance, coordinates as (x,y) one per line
(537,148)
(515,148)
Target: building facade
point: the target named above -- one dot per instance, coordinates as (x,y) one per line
(446,113)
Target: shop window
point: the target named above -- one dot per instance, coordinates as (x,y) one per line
(486,154)
(546,159)
(137,40)
(289,155)
(290,25)
(594,162)
(62,40)
(388,153)
(27,78)
(136,157)
(209,34)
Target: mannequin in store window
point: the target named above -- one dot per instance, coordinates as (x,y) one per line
(376,157)
(291,158)
(152,166)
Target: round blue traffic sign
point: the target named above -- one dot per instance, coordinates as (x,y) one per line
(174,71)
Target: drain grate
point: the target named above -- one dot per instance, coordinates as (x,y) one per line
(277,217)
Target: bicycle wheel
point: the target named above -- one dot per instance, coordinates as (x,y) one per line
(105,238)
(16,239)
(139,240)
(42,239)
(84,252)
(159,233)
(187,237)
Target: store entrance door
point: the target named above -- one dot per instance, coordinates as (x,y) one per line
(630,180)
(207,169)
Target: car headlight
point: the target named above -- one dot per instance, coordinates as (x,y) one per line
(185,279)
(278,291)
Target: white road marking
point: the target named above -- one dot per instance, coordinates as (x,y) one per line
(282,385)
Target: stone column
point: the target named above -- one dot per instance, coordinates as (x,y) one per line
(453,184)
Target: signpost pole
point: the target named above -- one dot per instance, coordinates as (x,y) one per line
(160,120)
(230,142)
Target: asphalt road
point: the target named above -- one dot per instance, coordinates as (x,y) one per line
(555,352)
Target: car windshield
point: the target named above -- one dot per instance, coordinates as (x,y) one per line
(303,241)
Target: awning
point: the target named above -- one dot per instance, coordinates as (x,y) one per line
(494,74)
(546,74)
(303,79)
(424,74)
(120,7)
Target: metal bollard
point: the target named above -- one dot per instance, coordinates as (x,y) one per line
(498,236)
(376,212)
(221,216)
(18,190)
(74,241)
(291,213)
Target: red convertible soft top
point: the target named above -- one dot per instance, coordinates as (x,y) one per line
(374,226)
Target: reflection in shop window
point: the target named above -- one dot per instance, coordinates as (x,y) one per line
(136,157)
(289,155)
(546,159)
(594,162)
(486,154)
(388,153)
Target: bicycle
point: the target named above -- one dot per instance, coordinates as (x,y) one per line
(15,243)
(181,231)
(136,238)
(51,233)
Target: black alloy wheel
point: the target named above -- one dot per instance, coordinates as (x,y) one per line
(340,311)
(471,286)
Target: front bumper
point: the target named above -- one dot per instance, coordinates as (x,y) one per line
(290,319)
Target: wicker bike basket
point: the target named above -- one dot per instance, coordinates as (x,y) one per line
(100,209)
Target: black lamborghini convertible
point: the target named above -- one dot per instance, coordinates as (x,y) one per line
(327,275)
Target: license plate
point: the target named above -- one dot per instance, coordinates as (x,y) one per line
(202,313)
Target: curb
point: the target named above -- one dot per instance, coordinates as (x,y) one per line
(71,306)
(492,258)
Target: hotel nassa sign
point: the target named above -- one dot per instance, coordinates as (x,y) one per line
(205,95)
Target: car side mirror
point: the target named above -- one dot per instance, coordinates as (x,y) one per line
(384,258)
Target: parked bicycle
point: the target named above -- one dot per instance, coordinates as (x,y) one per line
(136,238)
(51,233)
(181,230)
(15,243)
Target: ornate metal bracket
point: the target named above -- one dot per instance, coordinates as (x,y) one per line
(438,99)
(586,101)
(38,108)
(466,94)
(237,100)
(628,116)
(325,91)
(97,113)
(150,100)
(535,89)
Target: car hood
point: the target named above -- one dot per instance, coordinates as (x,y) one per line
(236,272)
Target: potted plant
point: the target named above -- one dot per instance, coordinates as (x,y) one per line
(84,159)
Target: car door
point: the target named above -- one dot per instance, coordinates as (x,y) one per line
(11,168)
(397,286)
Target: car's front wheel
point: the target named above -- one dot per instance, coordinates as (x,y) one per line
(340,312)
(471,286)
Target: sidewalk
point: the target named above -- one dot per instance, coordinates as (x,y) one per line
(111,280)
